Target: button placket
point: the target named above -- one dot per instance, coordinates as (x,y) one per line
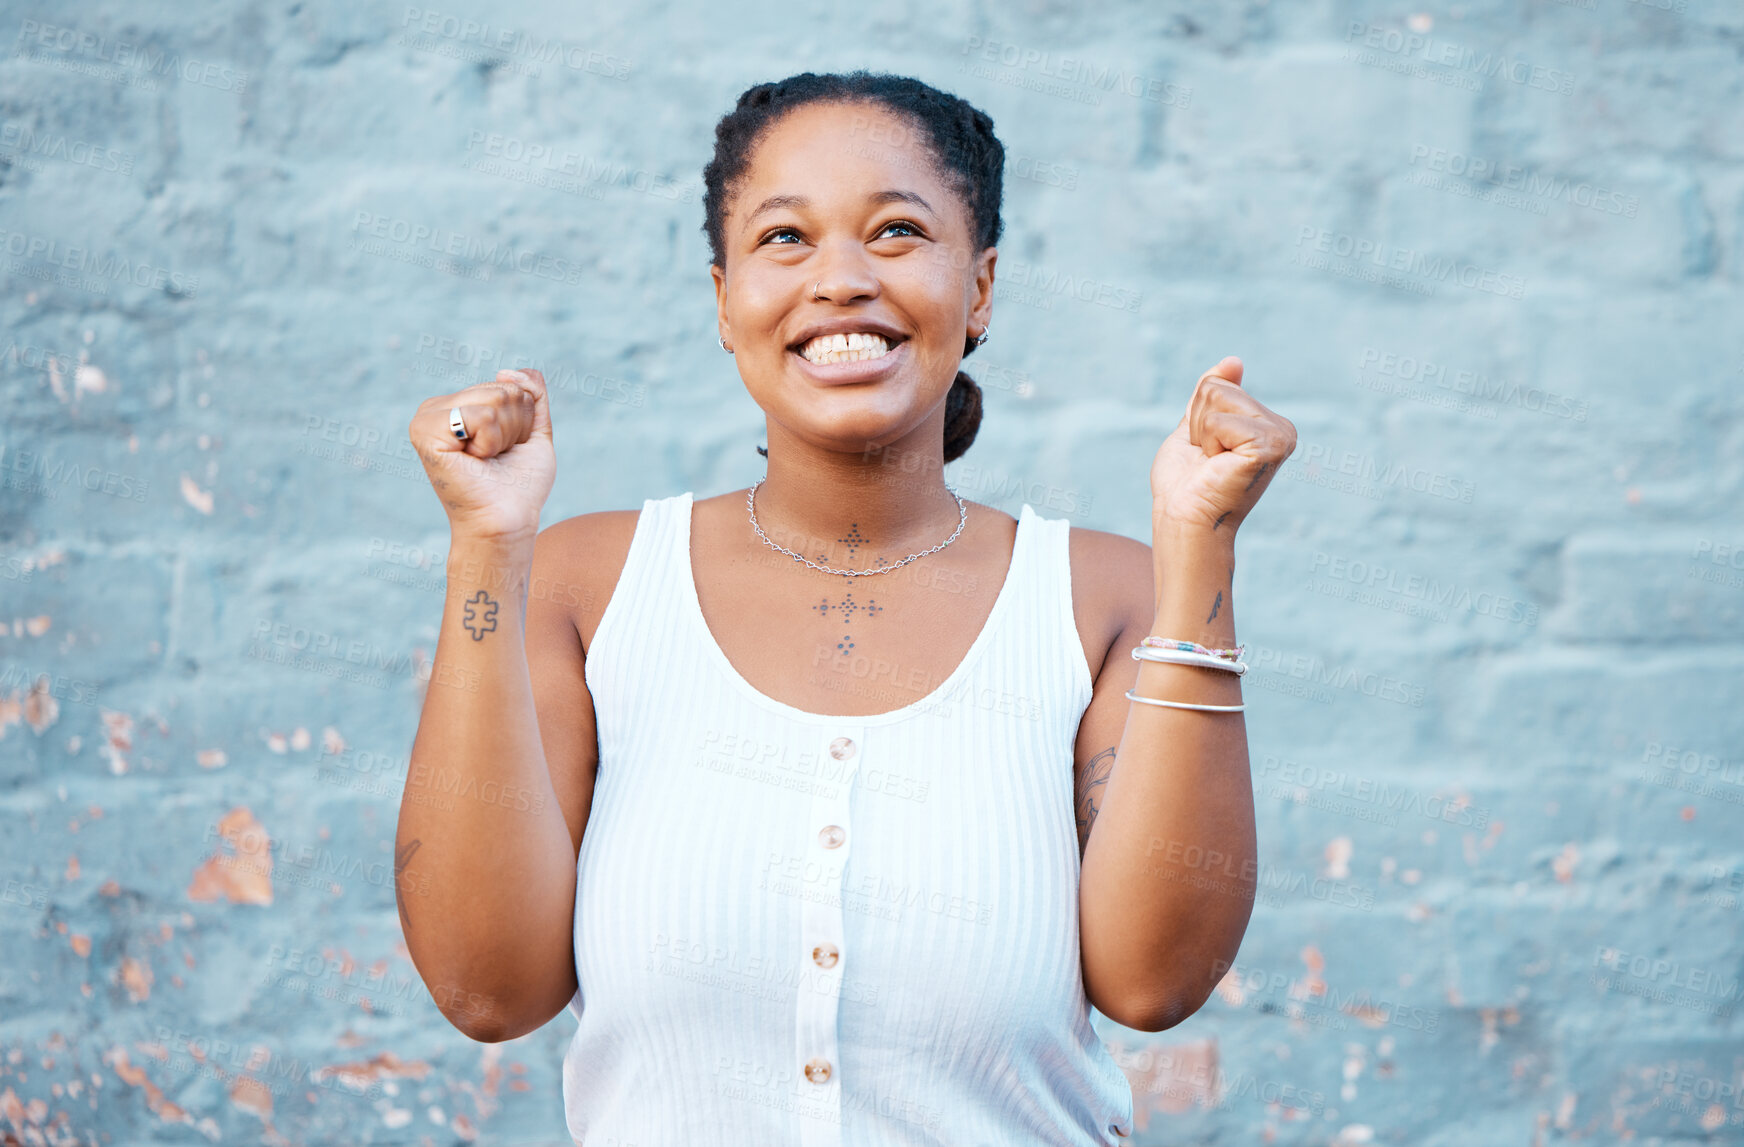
(829,841)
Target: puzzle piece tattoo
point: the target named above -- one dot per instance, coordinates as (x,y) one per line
(482,621)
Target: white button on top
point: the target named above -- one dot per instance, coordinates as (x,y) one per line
(842,748)
(832,836)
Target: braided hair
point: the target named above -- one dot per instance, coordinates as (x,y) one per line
(960,136)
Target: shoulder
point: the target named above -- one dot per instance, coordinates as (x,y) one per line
(585,554)
(1112,588)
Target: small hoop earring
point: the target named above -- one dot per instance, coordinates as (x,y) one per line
(723,343)
(982,337)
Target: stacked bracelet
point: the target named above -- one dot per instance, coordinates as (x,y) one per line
(1177,652)
(1156,642)
(1183,657)
(1131,696)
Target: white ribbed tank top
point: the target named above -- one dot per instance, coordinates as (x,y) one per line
(801,929)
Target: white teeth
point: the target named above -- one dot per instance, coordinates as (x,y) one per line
(855,347)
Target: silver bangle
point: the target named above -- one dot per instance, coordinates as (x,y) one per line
(1184,657)
(1131,696)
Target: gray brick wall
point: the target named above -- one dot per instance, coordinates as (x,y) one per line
(1486,256)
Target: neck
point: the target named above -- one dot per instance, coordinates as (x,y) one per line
(858,509)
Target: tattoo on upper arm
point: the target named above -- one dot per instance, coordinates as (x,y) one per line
(1092,781)
(481,615)
(401,859)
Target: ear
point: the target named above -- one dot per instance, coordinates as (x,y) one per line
(720,278)
(981,301)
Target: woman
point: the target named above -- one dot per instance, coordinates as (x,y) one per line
(818,731)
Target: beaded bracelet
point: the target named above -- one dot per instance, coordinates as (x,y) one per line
(1169,649)
(1182,657)
(1192,647)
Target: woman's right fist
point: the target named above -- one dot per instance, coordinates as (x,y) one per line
(494,481)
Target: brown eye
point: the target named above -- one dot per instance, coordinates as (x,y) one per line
(909,227)
(779,231)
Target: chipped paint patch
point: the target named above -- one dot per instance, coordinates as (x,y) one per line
(253,1096)
(1338,852)
(117,1060)
(1565,861)
(37,707)
(1311,986)
(137,979)
(359,1075)
(88,379)
(40,708)
(118,739)
(200,499)
(221,876)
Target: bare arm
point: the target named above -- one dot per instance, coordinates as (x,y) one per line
(1170,868)
(502,768)
(1169,872)
(486,848)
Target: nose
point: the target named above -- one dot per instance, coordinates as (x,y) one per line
(841,273)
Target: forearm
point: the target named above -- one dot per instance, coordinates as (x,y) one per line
(1169,873)
(485,867)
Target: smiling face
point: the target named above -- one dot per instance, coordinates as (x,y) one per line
(845,199)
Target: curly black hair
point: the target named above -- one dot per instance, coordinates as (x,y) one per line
(959,135)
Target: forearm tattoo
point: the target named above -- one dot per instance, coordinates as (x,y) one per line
(481,615)
(401,859)
(1092,782)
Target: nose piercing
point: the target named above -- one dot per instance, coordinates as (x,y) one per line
(814,289)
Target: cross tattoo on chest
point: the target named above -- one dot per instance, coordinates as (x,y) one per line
(848,607)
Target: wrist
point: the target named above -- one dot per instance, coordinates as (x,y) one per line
(1172,535)
(497,563)
(1186,561)
(478,543)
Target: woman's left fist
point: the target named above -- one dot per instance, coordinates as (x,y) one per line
(1220,458)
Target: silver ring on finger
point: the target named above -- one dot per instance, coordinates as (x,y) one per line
(457,424)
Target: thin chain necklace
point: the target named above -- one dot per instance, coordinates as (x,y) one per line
(751,505)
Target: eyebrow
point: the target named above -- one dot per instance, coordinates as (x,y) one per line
(800,202)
